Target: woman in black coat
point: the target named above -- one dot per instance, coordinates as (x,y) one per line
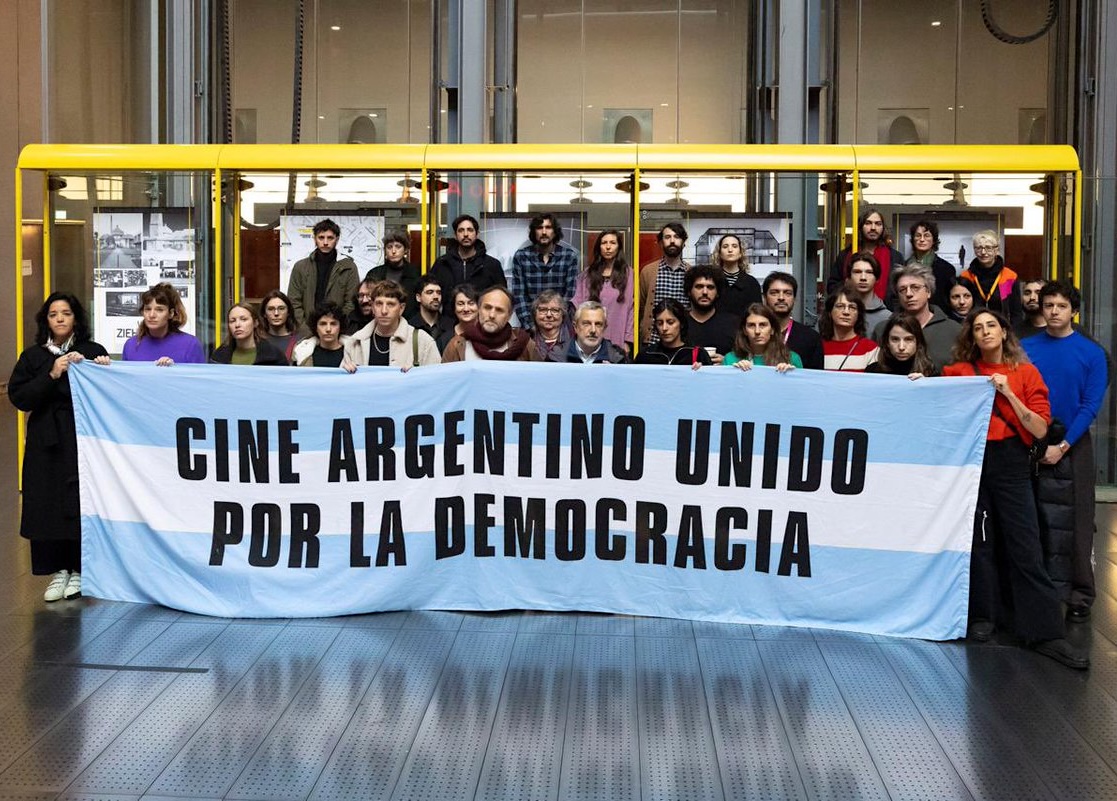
(246,343)
(40,385)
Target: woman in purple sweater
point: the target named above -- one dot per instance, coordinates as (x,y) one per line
(159,338)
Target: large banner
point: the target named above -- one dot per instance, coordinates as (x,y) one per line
(808,499)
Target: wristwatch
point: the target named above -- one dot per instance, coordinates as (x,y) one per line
(1064,446)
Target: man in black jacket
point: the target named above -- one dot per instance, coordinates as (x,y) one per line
(780,290)
(466,262)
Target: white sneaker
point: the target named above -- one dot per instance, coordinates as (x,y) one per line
(56,590)
(73,586)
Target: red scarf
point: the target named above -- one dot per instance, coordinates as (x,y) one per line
(485,344)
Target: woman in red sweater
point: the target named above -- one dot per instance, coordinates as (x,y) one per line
(1006,508)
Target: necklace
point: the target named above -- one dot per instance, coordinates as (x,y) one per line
(376,343)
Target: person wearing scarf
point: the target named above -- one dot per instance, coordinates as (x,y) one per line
(40,385)
(491,336)
(998,287)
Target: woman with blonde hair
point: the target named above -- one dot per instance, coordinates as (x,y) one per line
(741,289)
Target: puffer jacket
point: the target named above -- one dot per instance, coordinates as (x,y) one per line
(1054,491)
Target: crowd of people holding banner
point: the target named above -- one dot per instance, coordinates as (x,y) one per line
(883,314)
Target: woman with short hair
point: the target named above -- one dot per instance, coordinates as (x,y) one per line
(244,343)
(842,327)
(998,287)
(159,337)
(326,346)
(40,385)
(551,331)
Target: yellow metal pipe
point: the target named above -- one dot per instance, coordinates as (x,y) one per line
(424,209)
(636,260)
(48,226)
(19,262)
(855,211)
(234,187)
(218,282)
(794,158)
(1078,228)
(21,421)
(1055,200)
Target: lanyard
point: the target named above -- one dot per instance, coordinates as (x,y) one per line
(992,289)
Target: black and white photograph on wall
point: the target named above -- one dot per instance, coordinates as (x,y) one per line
(135,249)
(123,304)
(765,238)
(956,231)
(117,238)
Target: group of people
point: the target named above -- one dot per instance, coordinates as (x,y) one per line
(882,315)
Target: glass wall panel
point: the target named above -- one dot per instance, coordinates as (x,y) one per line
(117,234)
(929,72)
(631,70)
(111,101)
(276,224)
(963,204)
(366,71)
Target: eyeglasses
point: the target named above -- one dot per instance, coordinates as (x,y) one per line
(845,307)
(985,248)
(910,289)
(364,296)
(549,312)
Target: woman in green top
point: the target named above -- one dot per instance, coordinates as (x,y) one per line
(245,344)
(758,342)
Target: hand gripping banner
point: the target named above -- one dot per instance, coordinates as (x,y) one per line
(829,500)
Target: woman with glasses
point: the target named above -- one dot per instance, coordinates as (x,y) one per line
(924,238)
(998,287)
(276,323)
(551,331)
(842,326)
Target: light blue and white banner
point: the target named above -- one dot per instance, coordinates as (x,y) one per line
(831,500)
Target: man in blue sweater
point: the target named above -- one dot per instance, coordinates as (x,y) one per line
(1076,371)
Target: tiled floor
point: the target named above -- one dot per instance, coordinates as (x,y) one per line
(117,701)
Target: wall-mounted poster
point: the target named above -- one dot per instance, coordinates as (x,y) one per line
(956,230)
(765,238)
(360,240)
(134,249)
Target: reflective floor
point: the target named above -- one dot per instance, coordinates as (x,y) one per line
(118,701)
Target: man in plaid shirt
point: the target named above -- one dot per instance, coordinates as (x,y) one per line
(544,264)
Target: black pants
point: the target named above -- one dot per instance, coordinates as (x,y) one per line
(1006,515)
(1081,457)
(50,556)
